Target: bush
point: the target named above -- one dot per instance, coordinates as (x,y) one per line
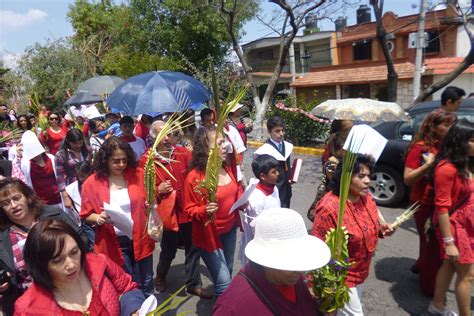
(300,129)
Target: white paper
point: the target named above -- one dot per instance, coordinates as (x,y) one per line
(31,145)
(119,219)
(370,141)
(245,197)
(148,305)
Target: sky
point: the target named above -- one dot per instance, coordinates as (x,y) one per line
(24,22)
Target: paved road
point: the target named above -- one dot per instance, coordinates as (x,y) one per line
(391,288)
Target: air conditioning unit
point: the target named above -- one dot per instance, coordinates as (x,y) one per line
(412,39)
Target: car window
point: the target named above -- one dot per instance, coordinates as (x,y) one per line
(405,131)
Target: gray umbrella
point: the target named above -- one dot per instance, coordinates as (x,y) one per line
(83,97)
(100,85)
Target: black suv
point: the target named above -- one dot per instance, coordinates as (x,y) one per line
(387,185)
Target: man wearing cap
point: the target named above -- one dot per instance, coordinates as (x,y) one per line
(272,283)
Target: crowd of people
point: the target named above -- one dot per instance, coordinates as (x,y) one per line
(62,253)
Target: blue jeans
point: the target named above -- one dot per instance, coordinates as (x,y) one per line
(220,262)
(141,270)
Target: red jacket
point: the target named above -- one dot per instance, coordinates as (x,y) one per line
(108,283)
(204,236)
(178,167)
(95,191)
(361,221)
(449,187)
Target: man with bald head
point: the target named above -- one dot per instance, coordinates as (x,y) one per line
(170,208)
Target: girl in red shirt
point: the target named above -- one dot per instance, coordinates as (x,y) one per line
(454,216)
(419,159)
(215,239)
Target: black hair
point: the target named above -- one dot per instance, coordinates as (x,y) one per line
(73,135)
(93,124)
(263,164)
(455,147)
(126,120)
(365,160)
(275,121)
(106,151)
(28,123)
(206,112)
(452,93)
(45,241)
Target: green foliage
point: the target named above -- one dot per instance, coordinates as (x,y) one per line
(186,27)
(300,129)
(53,68)
(119,61)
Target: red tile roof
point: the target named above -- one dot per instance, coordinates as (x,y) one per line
(367,73)
(393,24)
(442,66)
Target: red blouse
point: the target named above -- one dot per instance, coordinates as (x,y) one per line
(207,236)
(44,182)
(362,223)
(449,187)
(53,140)
(420,189)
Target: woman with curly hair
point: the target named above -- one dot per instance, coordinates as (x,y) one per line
(214,230)
(419,159)
(72,152)
(23,123)
(454,217)
(118,182)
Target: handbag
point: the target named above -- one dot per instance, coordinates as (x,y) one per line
(429,227)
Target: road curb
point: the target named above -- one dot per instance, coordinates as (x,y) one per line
(297,150)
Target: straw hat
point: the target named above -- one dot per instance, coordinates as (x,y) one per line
(282,242)
(236,107)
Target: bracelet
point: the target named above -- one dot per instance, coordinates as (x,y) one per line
(448,240)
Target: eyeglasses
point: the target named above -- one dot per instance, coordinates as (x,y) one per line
(16,199)
(54,118)
(119,161)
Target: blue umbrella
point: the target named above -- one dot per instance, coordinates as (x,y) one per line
(158,91)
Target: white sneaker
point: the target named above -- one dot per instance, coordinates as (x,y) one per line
(433,310)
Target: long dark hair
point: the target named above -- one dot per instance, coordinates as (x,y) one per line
(74,135)
(365,160)
(28,123)
(107,150)
(455,148)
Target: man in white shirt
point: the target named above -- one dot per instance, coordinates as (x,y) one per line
(127,124)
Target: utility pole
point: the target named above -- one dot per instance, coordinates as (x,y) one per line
(419,50)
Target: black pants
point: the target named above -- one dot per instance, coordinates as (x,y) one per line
(169,246)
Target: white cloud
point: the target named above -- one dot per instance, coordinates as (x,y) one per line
(10,60)
(13,19)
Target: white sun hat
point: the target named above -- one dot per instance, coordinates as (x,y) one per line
(236,107)
(282,242)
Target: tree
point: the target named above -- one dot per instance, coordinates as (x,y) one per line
(293,19)
(381,34)
(189,28)
(468,23)
(52,68)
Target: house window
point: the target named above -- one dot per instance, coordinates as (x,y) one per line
(433,43)
(362,51)
(265,54)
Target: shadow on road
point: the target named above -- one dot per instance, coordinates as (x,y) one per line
(404,287)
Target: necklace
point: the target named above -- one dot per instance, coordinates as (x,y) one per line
(82,307)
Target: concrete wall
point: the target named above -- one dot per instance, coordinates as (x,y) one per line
(464,81)
(463,44)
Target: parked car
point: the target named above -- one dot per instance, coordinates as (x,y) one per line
(387,185)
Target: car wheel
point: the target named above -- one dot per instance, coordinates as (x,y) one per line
(387,186)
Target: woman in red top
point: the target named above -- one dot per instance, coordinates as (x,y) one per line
(419,159)
(361,220)
(214,229)
(67,281)
(54,134)
(120,184)
(454,216)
